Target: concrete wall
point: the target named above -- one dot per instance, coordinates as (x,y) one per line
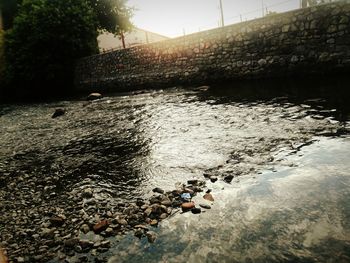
(314,40)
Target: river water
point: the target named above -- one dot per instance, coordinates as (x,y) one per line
(287,148)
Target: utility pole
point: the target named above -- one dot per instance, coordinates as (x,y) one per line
(222,14)
(262,4)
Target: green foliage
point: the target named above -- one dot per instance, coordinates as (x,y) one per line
(46,38)
(9,10)
(112,15)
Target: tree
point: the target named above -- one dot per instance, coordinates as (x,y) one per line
(112,15)
(46,38)
(8,9)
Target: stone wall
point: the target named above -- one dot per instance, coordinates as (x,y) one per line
(314,40)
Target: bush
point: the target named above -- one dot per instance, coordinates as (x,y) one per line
(46,38)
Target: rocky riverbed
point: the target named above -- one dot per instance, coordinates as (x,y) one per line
(123,164)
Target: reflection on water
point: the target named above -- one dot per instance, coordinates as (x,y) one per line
(299,214)
(125,145)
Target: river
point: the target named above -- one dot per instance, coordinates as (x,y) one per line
(287,149)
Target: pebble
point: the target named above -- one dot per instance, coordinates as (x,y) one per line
(56,221)
(208,197)
(154,222)
(101,226)
(58,112)
(158,190)
(213,178)
(151,236)
(187,206)
(228,178)
(87,193)
(94,96)
(205,206)
(193,181)
(85,228)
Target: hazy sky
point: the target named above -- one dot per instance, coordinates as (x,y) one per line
(170,17)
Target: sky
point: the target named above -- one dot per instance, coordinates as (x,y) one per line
(175,17)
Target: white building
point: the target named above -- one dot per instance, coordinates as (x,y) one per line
(108,41)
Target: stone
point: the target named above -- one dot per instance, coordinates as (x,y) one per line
(148,211)
(208,197)
(187,206)
(193,181)
(158,190)
(56,221)
(72,242)
(151,236)
(141,226)
(101,226)
(138,233)
(86,244)
(228,178)
(94,96)
(262,62)
(196,210)
(205,206)
(213,178)
(58,112)
(154,222)
(163,216)
(122,221)
(87,193)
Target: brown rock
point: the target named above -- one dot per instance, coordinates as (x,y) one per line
(56,221)
(154,222)
(208,197)
(187,206)
(101,226)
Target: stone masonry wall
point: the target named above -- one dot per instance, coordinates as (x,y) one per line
(314,40)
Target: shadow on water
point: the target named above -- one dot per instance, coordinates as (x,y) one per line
(321,92)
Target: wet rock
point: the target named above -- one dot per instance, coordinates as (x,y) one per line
(163,216)
(58,112)
(142,227)
(56,221)
(208,197)
(70,243)
(140,202)
(228,178)
(87,193)
(86,244)
(213,178)
(148,211)
(205,206)
(105,243)
(196,210)
(122,221)
(154,222)
(101,226)
(139,233)
(94,96)
(151,236)
(187,206)
(158,190)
